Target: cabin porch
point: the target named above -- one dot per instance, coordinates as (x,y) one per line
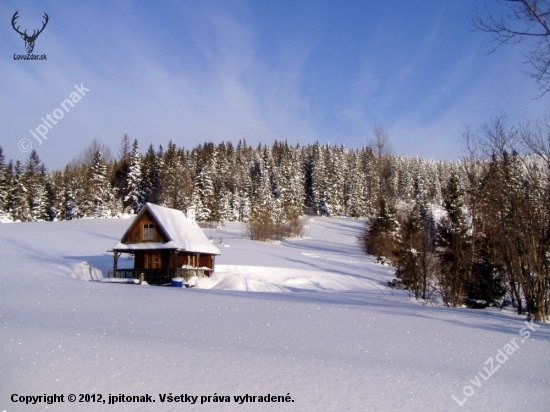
(158,276)
(158,267)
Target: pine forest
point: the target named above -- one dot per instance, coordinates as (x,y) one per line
(474,231)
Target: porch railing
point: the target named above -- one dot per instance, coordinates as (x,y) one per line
(156,276)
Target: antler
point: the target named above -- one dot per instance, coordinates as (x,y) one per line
(34,33)
(15,16)
(43,26)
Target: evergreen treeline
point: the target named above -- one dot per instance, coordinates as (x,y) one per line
(489,237)
(469,232)
(224,182)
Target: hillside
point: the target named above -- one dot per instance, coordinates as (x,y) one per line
(307,317)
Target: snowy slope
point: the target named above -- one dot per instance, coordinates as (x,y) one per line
(310,318)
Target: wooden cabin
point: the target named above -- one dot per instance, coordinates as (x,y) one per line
(165,244)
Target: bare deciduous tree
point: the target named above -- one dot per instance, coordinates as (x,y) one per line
(86,157)
(525,20)
(515,211)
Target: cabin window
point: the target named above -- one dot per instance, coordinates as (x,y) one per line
(152,261)
(149,231)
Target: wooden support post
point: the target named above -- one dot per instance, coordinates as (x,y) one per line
(175,260)
(197,265)
(115,261)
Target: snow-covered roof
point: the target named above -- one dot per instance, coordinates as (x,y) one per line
(182,234)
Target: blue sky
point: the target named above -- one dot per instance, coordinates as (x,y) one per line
(302,71)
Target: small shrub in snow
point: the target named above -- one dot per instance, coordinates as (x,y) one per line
(263,227)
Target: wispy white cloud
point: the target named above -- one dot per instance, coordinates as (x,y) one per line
(194,72)
(233,95)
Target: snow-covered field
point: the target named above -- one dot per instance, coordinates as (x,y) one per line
(309,317)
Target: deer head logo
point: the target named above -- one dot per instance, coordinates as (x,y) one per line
(29,40)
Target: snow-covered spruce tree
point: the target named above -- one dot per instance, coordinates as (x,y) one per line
(336,168)
(186,180)
(3,182)
(134,199)
(238,172)
(264,217)
(234,206)
(176,187)
(434,191)
(33,178)
(368,165)
(121,168)
(318,172)
(381,234)
(420,181)
(9,179)
(290,188)
(71,209)
(100,196)
(357,202)
(284,210)
(262,193)
(223,182)
(204,196)
(382,229)
(351,177)
(274,184)
(415,259)
(332,182)
(453,243)
(53,193)
(42,198)
(152,166)
(296,193)
(382,153)
(232,180)
(18,204)
(392,177)
(75,192)
(406,178)
(245,206)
